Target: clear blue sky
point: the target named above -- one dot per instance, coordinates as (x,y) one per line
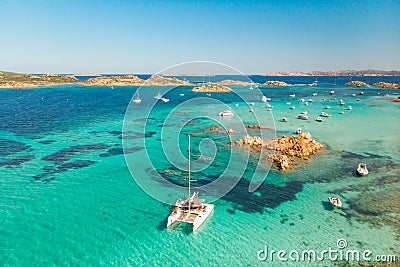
(147,36)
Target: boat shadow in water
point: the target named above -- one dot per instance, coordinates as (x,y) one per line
(327,205)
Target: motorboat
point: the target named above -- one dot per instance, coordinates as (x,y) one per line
(332,92)
(341,102)
(302,117)
(362,169)
(292,107)
(264,98)
(292,95)
(298,131)
(319,119)
(335,201)
(284,119)
(314,94)
(349,108)
(327,107)
(268,106)
(226,113)
(324,114)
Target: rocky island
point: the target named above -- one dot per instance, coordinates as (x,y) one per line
(288,147)
(124,80)
(275,83)
(387,85)
(158,80)
(357,83)
(211,88)
(19,81)
(235,82)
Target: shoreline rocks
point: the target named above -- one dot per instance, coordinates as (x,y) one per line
(289,147)
(234,82)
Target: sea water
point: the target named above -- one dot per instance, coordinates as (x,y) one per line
(69,196)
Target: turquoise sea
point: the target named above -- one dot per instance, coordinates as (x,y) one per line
(70,197)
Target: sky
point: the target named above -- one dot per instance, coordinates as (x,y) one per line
(255,37)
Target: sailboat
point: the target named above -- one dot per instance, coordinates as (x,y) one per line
(192,210)
(163,99)
(137,99)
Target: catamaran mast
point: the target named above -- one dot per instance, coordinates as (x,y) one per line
(189,168)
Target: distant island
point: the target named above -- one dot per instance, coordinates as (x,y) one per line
(20,81)
(368,72)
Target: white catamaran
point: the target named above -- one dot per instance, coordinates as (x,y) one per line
(192,210)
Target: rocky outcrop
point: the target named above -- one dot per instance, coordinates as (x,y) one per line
(211,88)
(214,129)
(257,127)
(357,83)
(300,146)
(396,99)
(387,85)
(231,131)
(281,161)
(275,83)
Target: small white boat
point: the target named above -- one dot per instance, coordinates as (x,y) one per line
(264,98)
(341,112)
(302,117)
(341,102)
(292,95)
(112,87)
(314,94)
(137,99)
(208,95)
(362,169)
(358,99)
(288,103)
(311,100)
(349,108)
(292,107)
(332,92)
(236,105)
(165,100)
(319,119)
(335,201)
(251,110)
(353,94)
(305,112)
(182,94)
(284,119)
(298,131)
(252,104)
(302,100)
(324,114)
(226,113)
(251,87)
(361,93)
(327,107)
(192,210)
(268,106)
(158,96)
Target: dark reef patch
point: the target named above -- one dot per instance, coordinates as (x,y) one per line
(65,154)
(47,142)
(49,170)
(120,151)
(16,161)
(8,147)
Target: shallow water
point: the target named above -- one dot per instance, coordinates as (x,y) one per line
(67,196)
